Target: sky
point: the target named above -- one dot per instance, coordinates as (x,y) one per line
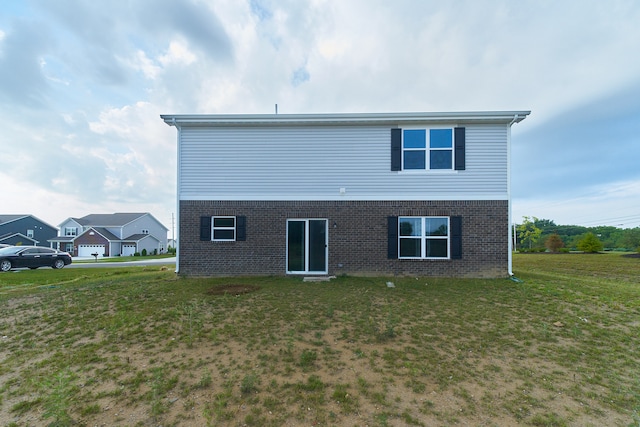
(82,86)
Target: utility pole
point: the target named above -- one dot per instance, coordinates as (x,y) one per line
(173,238)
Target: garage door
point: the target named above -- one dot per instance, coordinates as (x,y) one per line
(87,250)
(128,250)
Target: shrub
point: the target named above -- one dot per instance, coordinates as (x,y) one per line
(144,252)
(554,243)
(136,254)
(590,243)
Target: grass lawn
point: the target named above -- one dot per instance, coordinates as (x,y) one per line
(140,347)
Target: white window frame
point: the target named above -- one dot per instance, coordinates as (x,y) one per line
(70,231)
(214,228)
(30,233)
(424,238)
(427,150)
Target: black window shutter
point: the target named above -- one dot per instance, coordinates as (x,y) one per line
(456,237)
(241,228)
(459,143)
(392,237)
(205,228)
(396,149)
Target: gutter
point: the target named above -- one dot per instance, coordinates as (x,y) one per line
(177,228)
(510,232)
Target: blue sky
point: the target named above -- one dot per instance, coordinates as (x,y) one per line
(82,87)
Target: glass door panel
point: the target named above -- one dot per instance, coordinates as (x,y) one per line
(318,245)
(296,238)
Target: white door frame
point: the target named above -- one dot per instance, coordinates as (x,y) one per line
(307,246)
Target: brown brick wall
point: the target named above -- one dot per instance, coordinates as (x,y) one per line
(357,243)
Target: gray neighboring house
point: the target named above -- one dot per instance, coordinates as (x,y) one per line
(111,235)
(424,194)
(25,230)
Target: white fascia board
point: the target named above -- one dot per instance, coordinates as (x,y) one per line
(506,117)
(391,197)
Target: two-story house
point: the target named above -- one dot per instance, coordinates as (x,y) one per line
(111,235)
(25,230)
(424,194)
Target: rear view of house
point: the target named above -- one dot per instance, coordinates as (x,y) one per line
(422,194)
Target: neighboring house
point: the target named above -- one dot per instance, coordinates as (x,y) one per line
(111,235)
(25,230)
(424,194)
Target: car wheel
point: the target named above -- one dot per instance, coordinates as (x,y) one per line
(5,265)
(58,264)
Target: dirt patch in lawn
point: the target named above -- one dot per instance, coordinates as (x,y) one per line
(232,289)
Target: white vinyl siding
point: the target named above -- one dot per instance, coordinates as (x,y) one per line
(316,162)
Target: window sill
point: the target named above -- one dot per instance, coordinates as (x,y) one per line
(427,172)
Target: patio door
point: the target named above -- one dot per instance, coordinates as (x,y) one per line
(307,246)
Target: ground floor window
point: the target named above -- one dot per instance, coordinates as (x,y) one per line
(224,228)
(423,237)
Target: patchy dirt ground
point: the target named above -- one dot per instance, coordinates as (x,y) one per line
(348,353)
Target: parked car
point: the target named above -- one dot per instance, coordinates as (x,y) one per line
(2,245)
(32,257)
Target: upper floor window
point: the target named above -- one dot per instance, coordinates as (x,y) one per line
(30,234)
(441,148)
(70,231)
(144,231)
(428,149)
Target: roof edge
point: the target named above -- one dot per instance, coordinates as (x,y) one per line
(507,117)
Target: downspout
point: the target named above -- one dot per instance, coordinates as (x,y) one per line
(510,253)
(177,226)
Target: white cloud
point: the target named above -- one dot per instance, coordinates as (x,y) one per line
(177,53)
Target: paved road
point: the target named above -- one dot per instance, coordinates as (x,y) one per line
(141,263)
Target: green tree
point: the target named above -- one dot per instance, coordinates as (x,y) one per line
(528,232)
(631,238)
(554,243)
(590,243)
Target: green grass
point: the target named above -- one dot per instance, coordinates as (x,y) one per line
(127,346)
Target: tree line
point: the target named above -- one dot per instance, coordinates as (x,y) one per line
(535,234)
